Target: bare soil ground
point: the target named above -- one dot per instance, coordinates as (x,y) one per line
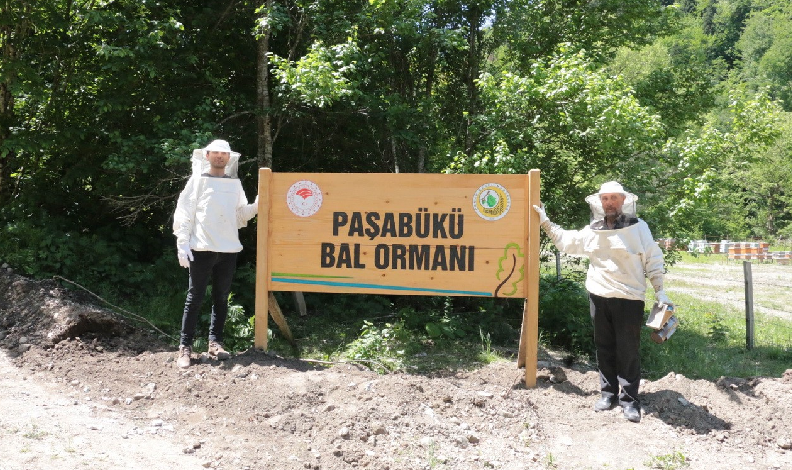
(83,389)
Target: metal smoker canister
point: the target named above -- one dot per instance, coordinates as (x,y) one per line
(668,329)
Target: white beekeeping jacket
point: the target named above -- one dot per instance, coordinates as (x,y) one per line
(211,210)
(620,259)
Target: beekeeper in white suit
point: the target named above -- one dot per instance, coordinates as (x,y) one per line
(622,254)
(211,209)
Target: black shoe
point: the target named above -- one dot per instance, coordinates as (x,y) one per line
(604,403)
(632,412)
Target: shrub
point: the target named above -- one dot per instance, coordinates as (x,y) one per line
(564,315)
(382,348)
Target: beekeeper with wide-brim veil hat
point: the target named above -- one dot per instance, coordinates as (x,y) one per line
(613,206)
(200,221)
(210,211)
(622,255)
(201,163)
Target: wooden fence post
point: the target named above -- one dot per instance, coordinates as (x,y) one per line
(558,265)
(749,310)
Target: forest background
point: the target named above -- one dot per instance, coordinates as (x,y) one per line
(102,101)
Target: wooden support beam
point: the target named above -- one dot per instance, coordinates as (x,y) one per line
(529,336)
(262,260)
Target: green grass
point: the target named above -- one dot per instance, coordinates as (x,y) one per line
(668,462)
(385,347)
(702,258)
(373,332)
(710,343)
(34,433)
(711,339)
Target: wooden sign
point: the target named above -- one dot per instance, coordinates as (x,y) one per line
(406,234)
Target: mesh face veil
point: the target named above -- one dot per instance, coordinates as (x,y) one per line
(629,208)
(201,165)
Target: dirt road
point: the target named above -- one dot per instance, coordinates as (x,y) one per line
(44,427)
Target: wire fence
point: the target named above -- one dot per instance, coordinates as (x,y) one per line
(772,333)
(768,315)
(758,290)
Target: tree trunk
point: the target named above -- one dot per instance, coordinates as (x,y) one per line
(427,99)
(395,157)
(264,119)
(474,19)
(771,229)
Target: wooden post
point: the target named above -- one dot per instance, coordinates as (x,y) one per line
(529,337)
(558,265)
(262,260)
(749,310)
(299,301)
(280,320)
(526,231)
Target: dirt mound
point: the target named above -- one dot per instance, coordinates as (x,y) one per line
(43,313)
(262,411)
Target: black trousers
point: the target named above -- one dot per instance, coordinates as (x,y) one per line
(617,336)
(220,267)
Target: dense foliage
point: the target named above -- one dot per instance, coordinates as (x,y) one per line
(102,101)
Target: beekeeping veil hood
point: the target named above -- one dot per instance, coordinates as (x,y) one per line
(200,164)
(595,203)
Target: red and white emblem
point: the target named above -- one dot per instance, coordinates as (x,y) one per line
(304,198)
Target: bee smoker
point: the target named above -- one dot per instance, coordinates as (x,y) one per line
(666,331)
(663,321)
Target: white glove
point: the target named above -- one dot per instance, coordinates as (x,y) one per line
(662,298)
(542,215)
(185,254)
